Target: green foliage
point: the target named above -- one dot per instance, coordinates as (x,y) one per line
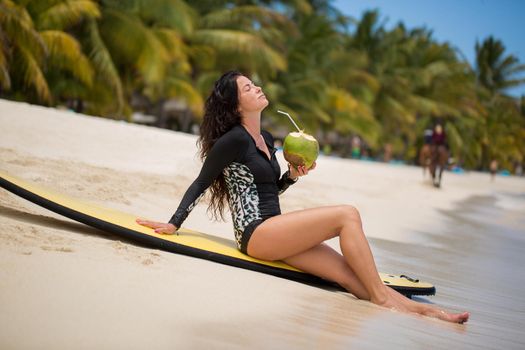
(340,77)
(495,71)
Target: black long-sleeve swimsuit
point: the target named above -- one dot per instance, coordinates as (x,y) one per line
(253,181)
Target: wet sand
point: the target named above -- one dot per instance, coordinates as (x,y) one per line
(64,285)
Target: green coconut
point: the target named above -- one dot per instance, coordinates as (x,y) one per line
(300,149)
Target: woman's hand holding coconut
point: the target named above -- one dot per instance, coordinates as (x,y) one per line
(300,170)
(301,151)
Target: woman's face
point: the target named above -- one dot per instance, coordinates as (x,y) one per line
(251,97)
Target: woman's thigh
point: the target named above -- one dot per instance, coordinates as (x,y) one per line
(289,234)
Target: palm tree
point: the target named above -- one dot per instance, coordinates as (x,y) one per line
(69,71)
(501,133)
(495,71)
(444,89)
(48,57)
(19,39)
(317,86)
(383,85)
(247,37)
(413,80)
(155,62)
(390,87)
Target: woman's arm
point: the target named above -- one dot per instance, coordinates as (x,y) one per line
(224,151)
(291,176)
(286,181)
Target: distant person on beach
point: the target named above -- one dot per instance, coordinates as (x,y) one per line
(427,136)
(241,170)
(388,152)
(356,147)
(439,154)
(493,169)
(518,169)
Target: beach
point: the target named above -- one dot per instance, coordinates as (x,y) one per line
(65,285)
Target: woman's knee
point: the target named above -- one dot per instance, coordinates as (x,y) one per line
(349,213)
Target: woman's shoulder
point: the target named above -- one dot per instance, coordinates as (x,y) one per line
(235,135)
(236,132)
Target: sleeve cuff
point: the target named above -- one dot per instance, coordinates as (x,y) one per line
(288,179)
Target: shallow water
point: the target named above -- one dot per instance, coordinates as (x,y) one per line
(476,265)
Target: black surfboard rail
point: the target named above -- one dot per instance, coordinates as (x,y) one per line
(162,244)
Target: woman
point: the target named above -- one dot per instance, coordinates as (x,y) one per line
(240,166)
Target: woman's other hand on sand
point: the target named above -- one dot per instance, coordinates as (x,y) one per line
(159,227)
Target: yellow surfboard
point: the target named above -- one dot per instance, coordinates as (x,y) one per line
(188,242)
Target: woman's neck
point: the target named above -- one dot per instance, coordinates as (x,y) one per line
(253,125)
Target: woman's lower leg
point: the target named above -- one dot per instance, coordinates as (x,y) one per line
(291,237)
(356,250)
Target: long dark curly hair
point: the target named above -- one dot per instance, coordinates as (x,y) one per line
(220,115)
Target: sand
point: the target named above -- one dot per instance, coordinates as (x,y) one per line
(65,285)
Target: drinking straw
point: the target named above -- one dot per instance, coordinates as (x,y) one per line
(293,122)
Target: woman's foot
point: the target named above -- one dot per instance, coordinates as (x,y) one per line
(430,311)
(399,302)
(446,316)
(391,301)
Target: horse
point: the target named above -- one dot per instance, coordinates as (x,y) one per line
(425,157)
(439,160)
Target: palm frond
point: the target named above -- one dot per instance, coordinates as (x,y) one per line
(65,53)
(104,65)
(248,17)
(205,81)
(5,79)
(173,42)
(145,51)
(394,111)
(62,14)
(19,28)
(203,58)
(351,115)
(302,7)
(185,91)
(32,73)
(174,14)
(246,47)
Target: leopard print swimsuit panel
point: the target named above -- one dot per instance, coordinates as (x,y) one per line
(253,181)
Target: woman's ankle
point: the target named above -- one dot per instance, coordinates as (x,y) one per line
(380,296)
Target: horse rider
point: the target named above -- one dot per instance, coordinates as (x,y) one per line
(427,136)
(438,140)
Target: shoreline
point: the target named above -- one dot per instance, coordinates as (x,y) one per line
(147,151)
(67,285)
